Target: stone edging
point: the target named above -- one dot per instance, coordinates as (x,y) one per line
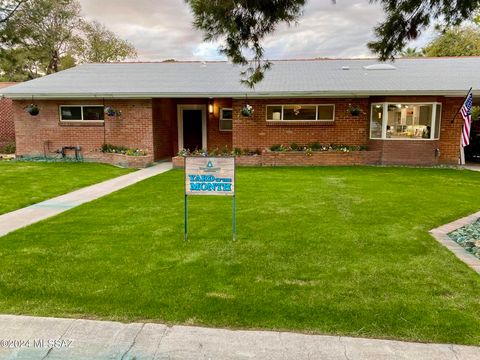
(441,235)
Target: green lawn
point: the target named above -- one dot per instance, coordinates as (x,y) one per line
(26,183)
(324,250)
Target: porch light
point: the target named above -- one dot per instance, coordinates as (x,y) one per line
(210,106)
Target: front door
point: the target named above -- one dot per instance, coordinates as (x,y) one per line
(192,129)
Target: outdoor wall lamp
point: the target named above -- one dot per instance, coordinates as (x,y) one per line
(210,106)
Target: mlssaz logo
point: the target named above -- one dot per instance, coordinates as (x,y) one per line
(210,168)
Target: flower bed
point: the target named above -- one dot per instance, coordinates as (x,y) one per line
(120,156)
(113,149)
(300,158)
(468,237)
(313,154)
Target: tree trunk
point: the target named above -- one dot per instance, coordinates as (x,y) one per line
(53,65)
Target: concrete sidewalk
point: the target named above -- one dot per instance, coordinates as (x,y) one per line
(23,217)
(88,339)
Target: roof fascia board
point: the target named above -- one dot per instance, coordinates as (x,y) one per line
(257,95)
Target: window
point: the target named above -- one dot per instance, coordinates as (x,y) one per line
(377,121)
(296,112)
(405,121)
(82,113)
(226,120)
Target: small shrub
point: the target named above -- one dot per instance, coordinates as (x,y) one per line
(114,149)
(8,148)
(225,151)
(237,151)
(315,146)
(294,147)
(275,147)
(184,152)
(199,152)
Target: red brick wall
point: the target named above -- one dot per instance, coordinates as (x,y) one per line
(450,134)
(406,152)
(165,125)
(132,129)
(160,137)
(254,132)
(449,142)
(7,125)
(164,128)
(296,158)
(218,139)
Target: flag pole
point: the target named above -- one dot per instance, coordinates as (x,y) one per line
(461,159)
(460,108)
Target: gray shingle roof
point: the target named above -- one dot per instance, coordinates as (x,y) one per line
(432,76)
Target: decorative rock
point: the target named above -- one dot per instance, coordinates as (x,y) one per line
(468,237)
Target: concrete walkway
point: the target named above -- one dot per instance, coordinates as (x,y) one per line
(23,217)
(472,166)
(87,339)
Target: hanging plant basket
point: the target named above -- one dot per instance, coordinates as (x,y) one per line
(355,110)
(32,109)
(111,111)
(247,110)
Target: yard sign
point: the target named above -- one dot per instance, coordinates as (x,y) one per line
(210,176)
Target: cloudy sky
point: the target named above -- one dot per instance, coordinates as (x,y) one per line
(163,29)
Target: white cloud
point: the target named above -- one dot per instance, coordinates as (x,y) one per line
(163,29)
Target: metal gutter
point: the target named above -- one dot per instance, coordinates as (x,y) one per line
(235,95)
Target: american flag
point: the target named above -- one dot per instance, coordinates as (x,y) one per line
(466,112)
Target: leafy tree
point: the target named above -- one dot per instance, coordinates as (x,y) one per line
(46,36)
(98,44)
(406,19)
(8,8)
(44,29)
(242,25)
(18,65)
(457,41)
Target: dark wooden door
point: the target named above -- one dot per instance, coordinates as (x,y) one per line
(192,129)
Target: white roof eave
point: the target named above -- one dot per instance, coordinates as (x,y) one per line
(236,95)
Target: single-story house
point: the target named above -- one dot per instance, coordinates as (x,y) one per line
(7,125)
(404,110)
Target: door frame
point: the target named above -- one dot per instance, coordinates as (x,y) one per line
(180,109)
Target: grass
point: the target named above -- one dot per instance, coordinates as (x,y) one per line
(323,250)
(26,183)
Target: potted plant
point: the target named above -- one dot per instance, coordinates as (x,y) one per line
(32,109)
(247,110)
(355,110)
(111,111)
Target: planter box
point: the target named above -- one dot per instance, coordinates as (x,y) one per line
(294,158)
(126,161)
(178,162)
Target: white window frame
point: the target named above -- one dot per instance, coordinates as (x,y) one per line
(385,120)
(81,111)
(220,118)
(299,120)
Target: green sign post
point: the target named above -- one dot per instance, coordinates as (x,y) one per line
(214,176)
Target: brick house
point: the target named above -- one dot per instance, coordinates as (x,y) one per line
(7,125)
(407,108)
